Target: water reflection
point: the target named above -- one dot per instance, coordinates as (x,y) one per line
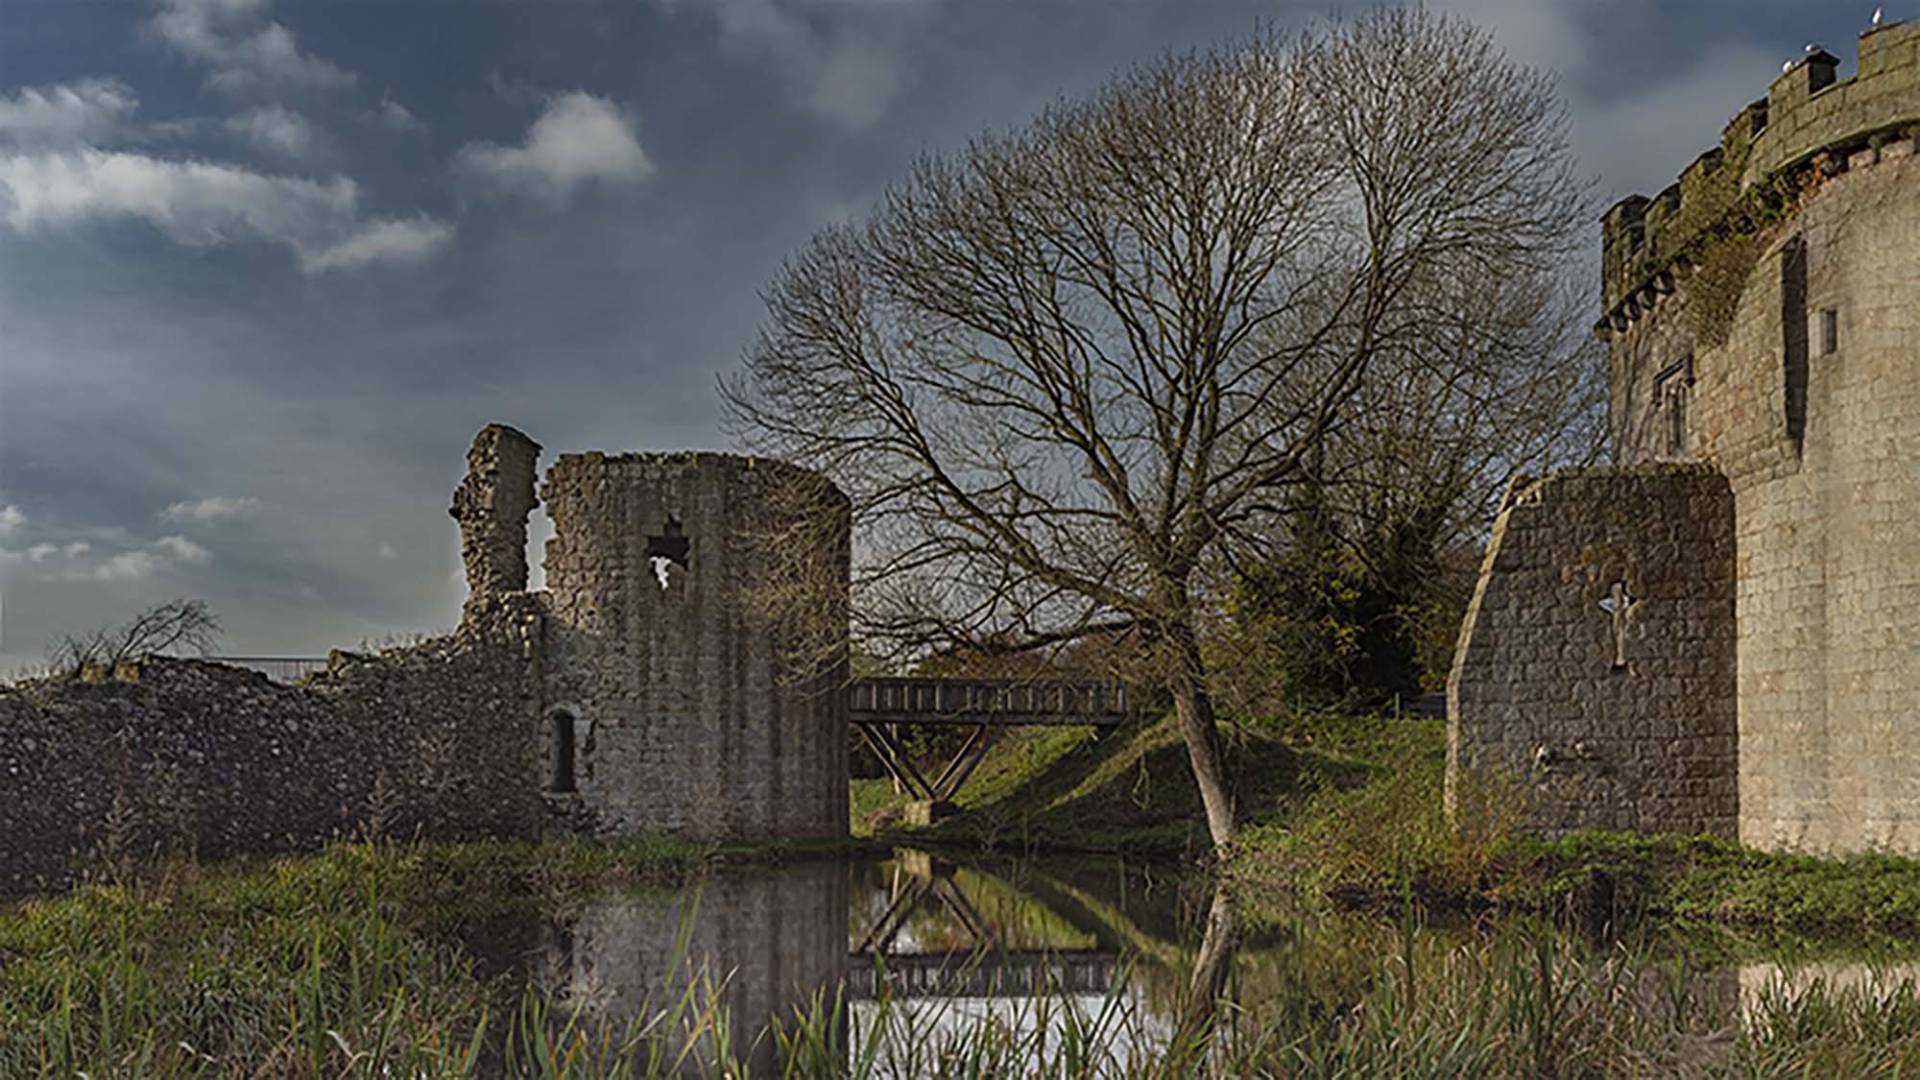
(973,940)
(767,938)
(1151,947)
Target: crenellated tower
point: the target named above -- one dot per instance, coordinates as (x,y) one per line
(1762,316)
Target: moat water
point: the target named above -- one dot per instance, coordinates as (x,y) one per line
(944,943)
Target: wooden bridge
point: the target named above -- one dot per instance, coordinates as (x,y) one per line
(878,707)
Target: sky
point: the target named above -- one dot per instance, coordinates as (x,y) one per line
(267,265)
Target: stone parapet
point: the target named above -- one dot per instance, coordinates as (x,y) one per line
(1810,119)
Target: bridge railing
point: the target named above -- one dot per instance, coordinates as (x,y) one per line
(974,701)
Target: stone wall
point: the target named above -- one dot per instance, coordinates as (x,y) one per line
(688,715)
(1820,448)
(186,756)
(491,504)
(1595,670)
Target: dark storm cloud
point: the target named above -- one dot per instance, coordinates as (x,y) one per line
(288,256)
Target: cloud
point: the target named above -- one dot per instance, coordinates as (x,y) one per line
(161,555)
(206,204)
(66,114)
(129,566)
(382,241)
(387,551)
(396,117)
(578,139)
(43,552)
(183,549)
(212,508)
(10,519)
(847,59)
(243,49)
(276,130)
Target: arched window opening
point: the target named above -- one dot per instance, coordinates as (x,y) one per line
(560,775)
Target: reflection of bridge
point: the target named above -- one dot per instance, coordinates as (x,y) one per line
(987,969)
(1028,973)
(879,706)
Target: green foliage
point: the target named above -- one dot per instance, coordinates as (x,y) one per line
(1345,613)
(1704,879)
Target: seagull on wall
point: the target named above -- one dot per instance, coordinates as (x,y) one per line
(1877,14)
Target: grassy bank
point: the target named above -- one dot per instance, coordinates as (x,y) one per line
(308,966)
(1349,808)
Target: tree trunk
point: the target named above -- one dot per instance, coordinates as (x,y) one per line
(1193,707)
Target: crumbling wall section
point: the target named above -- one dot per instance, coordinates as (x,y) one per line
(178,756)
(491,504)
(1595,670)
(174,756)
(460,707)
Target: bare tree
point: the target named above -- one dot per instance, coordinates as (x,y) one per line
(172,625)
(1061,373)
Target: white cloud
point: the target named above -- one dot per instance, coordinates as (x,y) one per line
(578,139)
(10,519)
(396,117)
(213,508)
(67,114)
(183,549)
(202,204)
(161,555)
(243,49)
(387,551)
(382,241)
(128,566)
(277,130)
(43,552)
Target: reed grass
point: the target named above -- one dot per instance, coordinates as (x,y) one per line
(339,965)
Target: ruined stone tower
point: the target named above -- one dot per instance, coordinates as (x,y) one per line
(669,702)
(1763,318)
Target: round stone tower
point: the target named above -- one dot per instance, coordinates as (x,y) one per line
(680,695)
(1763,315)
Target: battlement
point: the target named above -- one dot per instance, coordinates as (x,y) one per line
(1810,116)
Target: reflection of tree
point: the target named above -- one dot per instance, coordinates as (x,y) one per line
(1207,987)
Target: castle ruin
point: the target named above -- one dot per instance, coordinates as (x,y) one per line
(1721,634)
(647,689)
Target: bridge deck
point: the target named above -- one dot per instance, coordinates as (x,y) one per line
(1002,702)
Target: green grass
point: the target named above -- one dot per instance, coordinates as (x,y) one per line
(1350,808)
(307,966)
(348,963)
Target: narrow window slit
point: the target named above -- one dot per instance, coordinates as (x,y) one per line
(560,778)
